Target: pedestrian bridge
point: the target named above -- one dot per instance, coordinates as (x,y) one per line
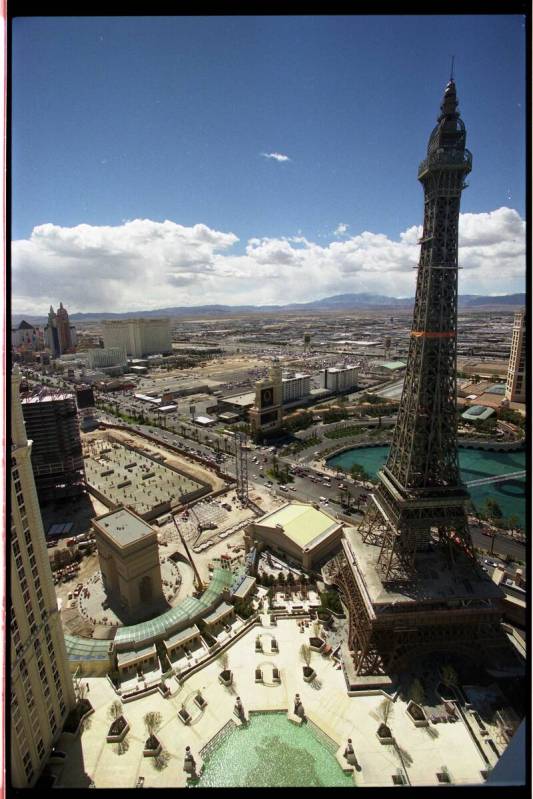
(497,478)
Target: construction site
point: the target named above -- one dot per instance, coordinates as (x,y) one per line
(128,470)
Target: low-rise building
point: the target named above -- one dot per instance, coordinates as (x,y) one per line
(299,531)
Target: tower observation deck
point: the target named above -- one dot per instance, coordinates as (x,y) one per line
(408,573)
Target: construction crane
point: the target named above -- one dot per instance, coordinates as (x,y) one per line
(199,584)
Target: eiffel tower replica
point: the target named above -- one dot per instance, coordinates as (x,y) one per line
(408,574)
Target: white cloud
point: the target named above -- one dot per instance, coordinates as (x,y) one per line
(276,156)
(341,229)
(142,265)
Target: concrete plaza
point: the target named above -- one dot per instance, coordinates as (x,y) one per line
(326,703)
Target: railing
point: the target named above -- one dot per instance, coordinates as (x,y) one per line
(331,745)
(444,157)
(222,733)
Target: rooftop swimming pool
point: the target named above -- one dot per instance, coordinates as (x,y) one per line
(271,752)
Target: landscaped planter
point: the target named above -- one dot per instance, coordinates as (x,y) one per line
(417,715)
(325,617)
(385,735)
(117,731)
(316,644)
(309,673)
(200,701)
(152,747)
(184,716)
(76,717)
(226,677)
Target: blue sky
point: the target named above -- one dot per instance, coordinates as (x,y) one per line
(155,119)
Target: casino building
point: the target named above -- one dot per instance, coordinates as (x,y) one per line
(267,412)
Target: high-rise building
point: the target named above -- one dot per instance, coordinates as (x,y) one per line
(409,573)
(515,390)
(63,329)
(138,337)
(41,686)
(52,335)
(296,387)
(339,378)
(52,424)
(60,335)
(267,412)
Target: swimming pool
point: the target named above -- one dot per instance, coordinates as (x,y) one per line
(271,752)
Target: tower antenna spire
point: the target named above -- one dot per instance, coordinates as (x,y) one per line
(451,70)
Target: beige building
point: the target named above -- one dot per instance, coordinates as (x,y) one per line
(296,387)
(129,562)
(267,412)
(104,358)
(138,337)
(297,531)
(515,390)
(41,686)
(339,378)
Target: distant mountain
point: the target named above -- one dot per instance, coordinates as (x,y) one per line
(338,302)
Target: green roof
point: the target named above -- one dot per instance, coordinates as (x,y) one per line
(87,648)
(393,364)
(301,523)
(183,615)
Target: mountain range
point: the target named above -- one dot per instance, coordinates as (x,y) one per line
(338,302)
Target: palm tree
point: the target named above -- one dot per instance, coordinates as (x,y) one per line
(305,654)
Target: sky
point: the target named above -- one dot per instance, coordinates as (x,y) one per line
(177,161)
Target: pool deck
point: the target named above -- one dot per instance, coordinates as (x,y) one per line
(90,757)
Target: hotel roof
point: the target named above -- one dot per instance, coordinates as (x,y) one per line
(301,523)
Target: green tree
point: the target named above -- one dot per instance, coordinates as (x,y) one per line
(513,522)
(358,472)
(494,511)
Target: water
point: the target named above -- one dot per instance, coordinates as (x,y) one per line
(271,752)
(474,464)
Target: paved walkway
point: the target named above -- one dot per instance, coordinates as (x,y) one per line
(326,704)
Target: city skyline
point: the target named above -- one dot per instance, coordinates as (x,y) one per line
(239,161)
